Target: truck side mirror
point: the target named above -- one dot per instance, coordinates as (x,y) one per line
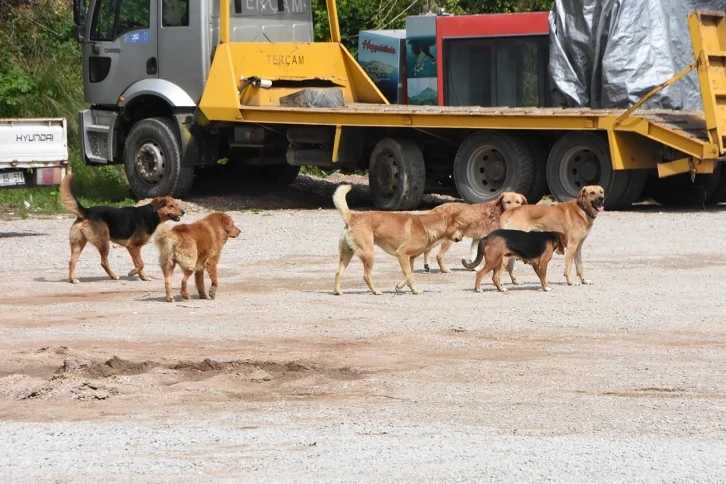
(78,31)
(79,12)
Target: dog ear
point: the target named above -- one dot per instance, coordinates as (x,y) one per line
(500,198)
(523,199)
(157,203)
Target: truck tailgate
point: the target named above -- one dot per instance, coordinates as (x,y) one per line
(27,143)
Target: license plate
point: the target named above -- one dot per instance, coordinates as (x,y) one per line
(11,178)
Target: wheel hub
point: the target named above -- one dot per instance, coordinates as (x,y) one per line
(150,162)
(386,174)
(487,170)
(580,167)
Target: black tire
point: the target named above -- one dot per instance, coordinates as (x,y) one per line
(397,174)
(679,191)
(152,159)
(539,181)
(719,193)
(633,190)
(579,159)
(282,175)
(489,163)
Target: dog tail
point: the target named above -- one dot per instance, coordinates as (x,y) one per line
(479,254)
(340,203)
(68,199)
(165,240)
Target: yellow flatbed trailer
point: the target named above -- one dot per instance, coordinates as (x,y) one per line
(530,150)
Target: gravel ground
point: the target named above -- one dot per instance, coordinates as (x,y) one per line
(277,380)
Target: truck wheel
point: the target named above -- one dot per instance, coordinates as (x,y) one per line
(396,174)
(152,159)
(581,159)
(678,190)
(719,193)
(280,174)
(633,190)
(539,181)
(488,164)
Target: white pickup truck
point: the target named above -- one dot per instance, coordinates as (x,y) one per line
(33,152)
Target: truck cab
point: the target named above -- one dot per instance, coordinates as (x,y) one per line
(145,66)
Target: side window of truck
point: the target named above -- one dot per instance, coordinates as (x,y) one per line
(132,15)
(102,28)
(175,13)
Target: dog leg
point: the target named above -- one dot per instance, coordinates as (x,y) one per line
(440,256)
(211,265)
(541,270)
(346,254)
(199,280)
(77,246)
(497,277)
(578,265)
(168,270)
(367,260)
(510,269)
(427,268)
(570,253)
(138,263)
(104,249)
(481,273)
(185,278)
(406,263)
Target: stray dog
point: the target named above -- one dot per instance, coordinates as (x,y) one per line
(574,219)
(131,227)
(534,248)
(195,247)
(403,235)
(477,220)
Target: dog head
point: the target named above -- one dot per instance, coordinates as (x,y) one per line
(592,196)
(509,200)
(167,208)
(229,227)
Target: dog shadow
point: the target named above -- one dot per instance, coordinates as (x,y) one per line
(94,279)
(9,235)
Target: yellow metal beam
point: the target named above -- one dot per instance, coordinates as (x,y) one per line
(224,21)
(685,165)
(336,144)
(333,21)
(708,36)
(630,151)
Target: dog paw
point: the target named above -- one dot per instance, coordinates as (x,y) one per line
(587,282)
(502,289)
(478,290)
(378,293)
(337,293)
(212,294)
(185,297)
(416,291)
(427,268)
(144,277)
(74,281)
(516,282)
(445,270)
(169,299)
(114,277)
(546,289)
(570,283)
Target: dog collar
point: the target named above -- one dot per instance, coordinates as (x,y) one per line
(584,209)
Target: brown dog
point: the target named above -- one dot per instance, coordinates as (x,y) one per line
(403,235)
(574,219)
(533,248)
(130,227)
(477,220)
(195,247)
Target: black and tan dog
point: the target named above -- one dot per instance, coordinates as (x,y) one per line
(130,227)
(534,248)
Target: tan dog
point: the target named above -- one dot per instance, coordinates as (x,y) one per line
(574,219)
(195,247)
(130,227)
(403,235)
(534,248)
(477,220)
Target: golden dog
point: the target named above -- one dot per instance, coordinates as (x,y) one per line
(195,247)
(574,219)
(478,220)
(402,235)
(533,248)
(130,227)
